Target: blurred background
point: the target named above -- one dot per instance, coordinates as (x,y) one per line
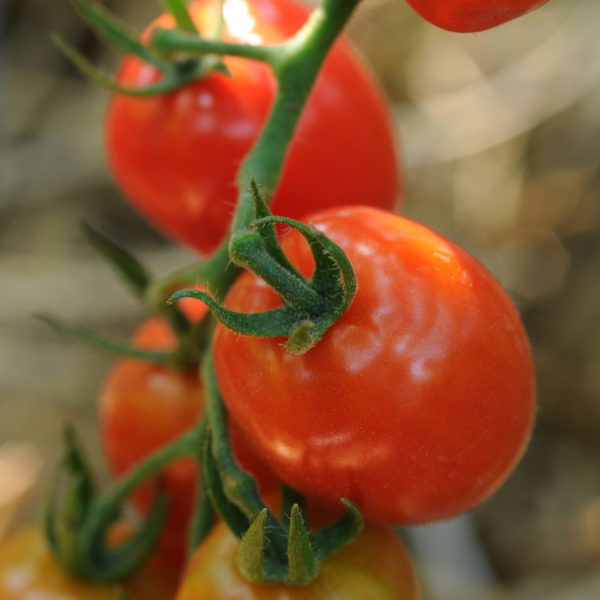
(499,136)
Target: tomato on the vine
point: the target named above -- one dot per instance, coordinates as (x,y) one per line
(144,406)
(176,156)
(374,566)
(472,15)
(416,404)
(29,571)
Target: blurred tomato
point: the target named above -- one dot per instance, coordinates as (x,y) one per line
(176,156)
(29,571)
(375,566)
(144,406)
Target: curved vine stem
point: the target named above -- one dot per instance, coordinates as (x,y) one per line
(296,71)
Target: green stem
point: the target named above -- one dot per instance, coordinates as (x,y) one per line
(204,513)
(296,71)
(192,344)
(185,445)
(170,41)
(240,486)
(107,345)
(216,274)
(238,483)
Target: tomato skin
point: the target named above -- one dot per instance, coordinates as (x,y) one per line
(375,566)
(28,570)
(142,407)
(416,404)
(176,156)
(472,15)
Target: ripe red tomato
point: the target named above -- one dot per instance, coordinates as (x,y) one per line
(375,566)
(176,156)
(144,406)
(416,404)
(472,15)
(29,571)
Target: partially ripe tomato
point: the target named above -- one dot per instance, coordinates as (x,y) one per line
(472,15)
(416,404)
(29,571)
(176,156)
(144,406)
(374,566)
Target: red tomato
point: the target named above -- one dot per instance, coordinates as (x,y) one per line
(472,15)
(29,571)
(416,404)
(375,566)
(144,406)
(176,156)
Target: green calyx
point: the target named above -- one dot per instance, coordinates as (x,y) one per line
(305,552)
(311,305)
(271,550)
(77,522)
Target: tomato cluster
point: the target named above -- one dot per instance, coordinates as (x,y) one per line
(416,403)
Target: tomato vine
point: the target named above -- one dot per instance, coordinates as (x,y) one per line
(308,294)
(295,64)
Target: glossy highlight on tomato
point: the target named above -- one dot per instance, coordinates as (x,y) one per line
(416,404)
(374,566)
(176,156)
(144,406)
(472,15)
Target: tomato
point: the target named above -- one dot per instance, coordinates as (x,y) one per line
(375,566)
(417,402)
(472,15)
(176,156)
(144,406)
(29,571)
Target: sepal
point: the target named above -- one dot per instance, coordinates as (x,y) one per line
(121,260)
(114,31)
(77,522)
(311,306)
(331,538)
(302,562)
(105,344)
(172,78)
